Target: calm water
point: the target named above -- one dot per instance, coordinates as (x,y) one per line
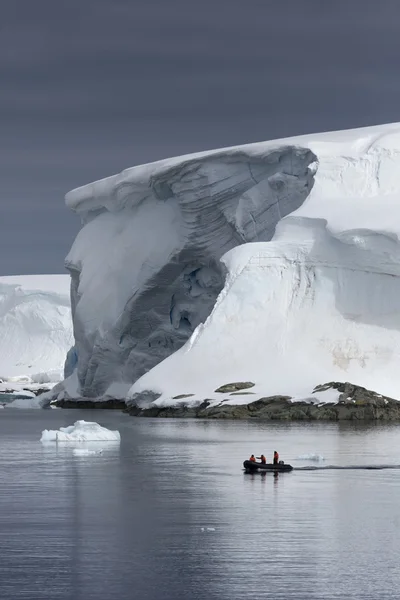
(127,523)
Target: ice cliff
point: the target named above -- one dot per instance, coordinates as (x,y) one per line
(146,267)
(315,299)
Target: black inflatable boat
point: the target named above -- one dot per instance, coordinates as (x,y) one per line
(251,467)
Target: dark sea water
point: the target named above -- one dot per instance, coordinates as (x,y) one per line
(170,514)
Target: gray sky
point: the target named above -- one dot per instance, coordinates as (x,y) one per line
(89,87)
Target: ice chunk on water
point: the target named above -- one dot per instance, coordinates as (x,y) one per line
(85,452)
(314,457)
(24,403)
(81,431)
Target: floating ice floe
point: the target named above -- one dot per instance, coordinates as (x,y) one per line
(81,431)
(85,452)
(315,457)
(22,403)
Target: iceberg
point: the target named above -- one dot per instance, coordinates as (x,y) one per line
(145,266)
(276,263)
(80,431)
(35,331)
(21,403)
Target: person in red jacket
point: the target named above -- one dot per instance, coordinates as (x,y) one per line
(263,459)
(252,458)
(276,457)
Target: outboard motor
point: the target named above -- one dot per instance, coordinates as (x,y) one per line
(281,462)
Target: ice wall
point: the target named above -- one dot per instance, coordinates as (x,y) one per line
(146,267)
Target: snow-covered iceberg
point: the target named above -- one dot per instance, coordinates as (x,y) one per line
(146,267)
(80,431)
(314,299)
(35,331)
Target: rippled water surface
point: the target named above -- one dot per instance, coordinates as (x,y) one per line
(171,515)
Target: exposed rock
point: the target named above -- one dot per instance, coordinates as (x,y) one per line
(143,399)
(233,387)
(241,393)
(179,411)
(355,404)
(181,396)
(92,404)
(39,391)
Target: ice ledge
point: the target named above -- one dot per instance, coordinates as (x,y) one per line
(110,192)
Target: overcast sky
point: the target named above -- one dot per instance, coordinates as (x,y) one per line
(89,87)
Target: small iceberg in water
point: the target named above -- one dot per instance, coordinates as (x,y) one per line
(85,452)
(314,457)
(80,431)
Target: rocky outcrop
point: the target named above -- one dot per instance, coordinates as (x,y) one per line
(234,387)
(355,404)
(84,403)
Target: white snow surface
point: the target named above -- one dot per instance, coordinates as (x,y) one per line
(80,431)
(317,303)
(35,330)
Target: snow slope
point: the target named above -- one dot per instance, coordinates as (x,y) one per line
(35,329)
(319,302)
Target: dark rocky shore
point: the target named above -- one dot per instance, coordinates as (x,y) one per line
(111,404)
(355,403)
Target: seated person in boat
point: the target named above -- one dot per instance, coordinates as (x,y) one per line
(252,458)
(263,459)
(276,457)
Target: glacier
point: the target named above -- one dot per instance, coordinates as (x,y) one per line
(275,262)
(35,333)
(145,267)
